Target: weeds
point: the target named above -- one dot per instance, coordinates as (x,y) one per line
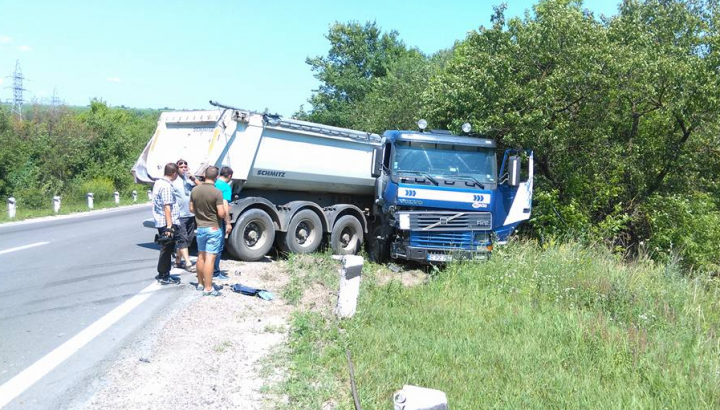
(566,326)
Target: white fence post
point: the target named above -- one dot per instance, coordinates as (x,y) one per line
(56,204)
(11,207)
(134,195)
(117,197)
(149,194)
(349,285)
(90,200)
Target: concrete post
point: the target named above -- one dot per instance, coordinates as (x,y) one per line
(116,194)
(90,200)
(149,194)
(56,204)
(11,207)
(349,286)
(134,195)
(419,398)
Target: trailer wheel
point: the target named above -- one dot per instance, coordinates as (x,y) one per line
(253,235)
(347,236)
(304,233)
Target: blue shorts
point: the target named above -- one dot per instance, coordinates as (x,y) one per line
(209,240)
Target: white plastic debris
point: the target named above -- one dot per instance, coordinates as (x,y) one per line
(419,398)
(349,286)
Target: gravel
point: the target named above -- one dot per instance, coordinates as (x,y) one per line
(208,353)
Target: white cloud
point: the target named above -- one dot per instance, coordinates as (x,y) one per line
(24,48)
(5,39)
(114,79)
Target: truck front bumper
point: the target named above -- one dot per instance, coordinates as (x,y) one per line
(430,255)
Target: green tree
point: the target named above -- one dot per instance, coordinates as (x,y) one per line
(358,56)
(617,110)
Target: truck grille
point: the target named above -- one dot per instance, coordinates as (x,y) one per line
(442,240)
(450,221)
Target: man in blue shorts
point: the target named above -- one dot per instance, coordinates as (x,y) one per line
(206,203)
(222,184)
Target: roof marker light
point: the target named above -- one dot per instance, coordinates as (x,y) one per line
(466,127)
(422,124)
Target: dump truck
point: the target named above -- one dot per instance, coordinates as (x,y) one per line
(427,196)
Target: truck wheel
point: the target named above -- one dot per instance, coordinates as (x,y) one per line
(379,246)
(253,235)
(347,236)
(304,233)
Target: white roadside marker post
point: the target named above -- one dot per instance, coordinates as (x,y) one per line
(56,204)
(90,200)
(134,195)
(349,286)
(11,207)
(116,194)
(149,194)
(419,398)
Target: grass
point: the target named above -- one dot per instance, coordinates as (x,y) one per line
(222,347)
(306,270)
(67,208)
(562,327)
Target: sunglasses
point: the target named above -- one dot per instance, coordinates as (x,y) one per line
(182,163)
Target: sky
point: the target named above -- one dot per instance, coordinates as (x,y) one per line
(180,54)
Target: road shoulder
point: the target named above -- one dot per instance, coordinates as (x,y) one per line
(209,353)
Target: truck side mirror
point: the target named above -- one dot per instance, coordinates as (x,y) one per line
(514,170)
(377,158)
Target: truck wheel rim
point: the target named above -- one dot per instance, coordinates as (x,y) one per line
(254,235)
(347,237)
(305,233)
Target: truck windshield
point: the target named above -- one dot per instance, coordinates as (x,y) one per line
(445,160)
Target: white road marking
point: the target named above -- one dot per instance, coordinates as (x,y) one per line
(22,381)
(19,248)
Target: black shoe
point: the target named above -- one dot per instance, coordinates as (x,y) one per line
(167,280)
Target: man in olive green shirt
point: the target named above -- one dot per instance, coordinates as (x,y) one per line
(206,202)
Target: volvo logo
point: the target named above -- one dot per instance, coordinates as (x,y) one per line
(443,221)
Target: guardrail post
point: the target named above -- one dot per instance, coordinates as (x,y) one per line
(11,207)
(56,204)
(149,194)
(90,200)
(116,194)
(134,195)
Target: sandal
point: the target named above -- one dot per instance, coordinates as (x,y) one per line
(191,269)
(213,292)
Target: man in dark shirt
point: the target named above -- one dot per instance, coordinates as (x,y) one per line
(206,203)
(166,214)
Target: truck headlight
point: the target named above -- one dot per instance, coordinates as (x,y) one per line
(404,221)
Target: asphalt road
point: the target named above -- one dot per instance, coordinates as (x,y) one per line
(51,293)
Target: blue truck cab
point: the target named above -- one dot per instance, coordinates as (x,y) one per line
(441,196)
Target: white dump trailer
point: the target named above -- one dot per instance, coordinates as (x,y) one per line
(294,182)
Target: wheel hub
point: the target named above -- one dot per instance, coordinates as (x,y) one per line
(252,234)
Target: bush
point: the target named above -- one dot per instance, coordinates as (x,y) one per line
(32,197)
(686,225)
(102,189)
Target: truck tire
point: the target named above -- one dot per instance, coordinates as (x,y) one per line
(304,233)
(379,246)
(347,236)
(252,236)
